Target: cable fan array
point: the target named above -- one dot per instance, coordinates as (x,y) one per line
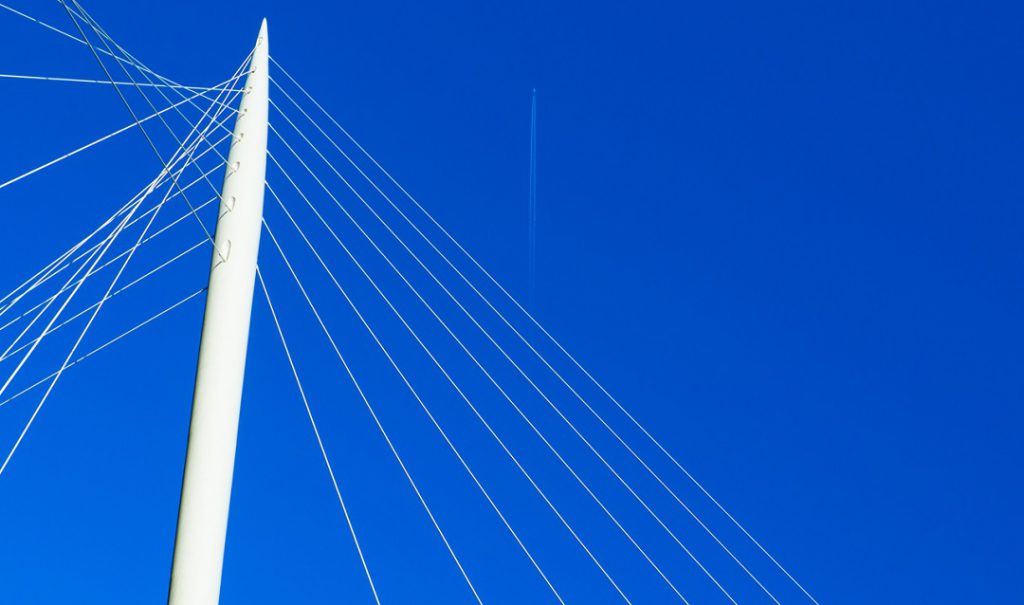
(395,316)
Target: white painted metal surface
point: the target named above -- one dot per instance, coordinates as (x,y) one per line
(210,460)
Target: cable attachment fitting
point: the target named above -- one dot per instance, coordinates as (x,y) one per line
(222,257)
(227,206)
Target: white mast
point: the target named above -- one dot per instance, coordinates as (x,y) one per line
(212,437)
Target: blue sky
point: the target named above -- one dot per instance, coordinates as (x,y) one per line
(786,237)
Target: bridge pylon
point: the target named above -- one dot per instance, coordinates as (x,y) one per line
(210,458)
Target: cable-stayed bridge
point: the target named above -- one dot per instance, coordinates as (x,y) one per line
(260,192)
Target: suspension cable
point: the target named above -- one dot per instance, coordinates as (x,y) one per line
(466,350)
(103,346)
(316,432)
(519,306)
(373,414)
